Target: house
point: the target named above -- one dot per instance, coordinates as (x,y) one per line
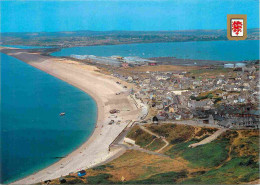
(200,104)
(225,123)
(177,117)
(171,110)
(152,63)
(162,116)
(129,79)
(124,64)
(161,77)
(241,100)
(159,106)
(155,120)
(211,119)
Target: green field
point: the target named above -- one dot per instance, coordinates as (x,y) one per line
(237,170)
(155,145)
(233,158)
(141,137)
(209,155)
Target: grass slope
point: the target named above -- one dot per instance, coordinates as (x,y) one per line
(232,158)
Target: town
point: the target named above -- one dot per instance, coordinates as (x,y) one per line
(226,96)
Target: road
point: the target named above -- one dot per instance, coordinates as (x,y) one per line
(192,123)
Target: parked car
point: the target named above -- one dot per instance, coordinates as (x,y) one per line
(111,122)
(113,111)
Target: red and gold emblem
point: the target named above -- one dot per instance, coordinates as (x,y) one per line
(236,27)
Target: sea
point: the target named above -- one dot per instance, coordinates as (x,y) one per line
(33,134)
(200,50)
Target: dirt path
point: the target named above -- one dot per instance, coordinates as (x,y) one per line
(230,150)
(156,135)
(150,143)
(119,143)
(209,139)
(135,147)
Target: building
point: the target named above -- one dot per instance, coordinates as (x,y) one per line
(240,65)
(152,63)
(124,64)
(229,65)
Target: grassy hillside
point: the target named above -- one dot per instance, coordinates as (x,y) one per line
(230,159)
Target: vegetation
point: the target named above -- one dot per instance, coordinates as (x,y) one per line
(209,72)
(75,181)
(209,155)
(162,130)
(99,179)
(209,95)
(173,133)
(178,149)
(141,137)
(102,167)
(162,178)
(230,159)
(237,170)
(217,100)
(156,144)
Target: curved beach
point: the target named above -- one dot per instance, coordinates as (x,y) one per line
(103,89)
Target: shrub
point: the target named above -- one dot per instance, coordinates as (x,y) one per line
(177,140)
(162,178)
(217,100)
(102,167)
(232,172)
(75,181)
(99,179)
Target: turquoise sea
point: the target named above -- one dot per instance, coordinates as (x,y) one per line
(201,50)
(33,134)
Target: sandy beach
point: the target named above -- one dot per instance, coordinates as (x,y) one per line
(103,89)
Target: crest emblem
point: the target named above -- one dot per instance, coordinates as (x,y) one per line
(236,27)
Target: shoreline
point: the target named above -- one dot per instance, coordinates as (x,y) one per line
(102,89)
(127,43)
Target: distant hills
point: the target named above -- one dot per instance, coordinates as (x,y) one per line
(88,38)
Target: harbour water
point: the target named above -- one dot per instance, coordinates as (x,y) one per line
(200,50)
(33,134)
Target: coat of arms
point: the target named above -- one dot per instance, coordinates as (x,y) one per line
(236,27)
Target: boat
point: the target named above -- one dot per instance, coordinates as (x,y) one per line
(62,113)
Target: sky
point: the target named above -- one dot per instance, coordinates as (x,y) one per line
(142,15)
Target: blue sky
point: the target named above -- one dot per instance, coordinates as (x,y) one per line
(51,16)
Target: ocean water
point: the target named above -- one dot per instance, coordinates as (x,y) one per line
(32,132)
(201,50)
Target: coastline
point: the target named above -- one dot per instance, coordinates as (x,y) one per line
(102,89)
